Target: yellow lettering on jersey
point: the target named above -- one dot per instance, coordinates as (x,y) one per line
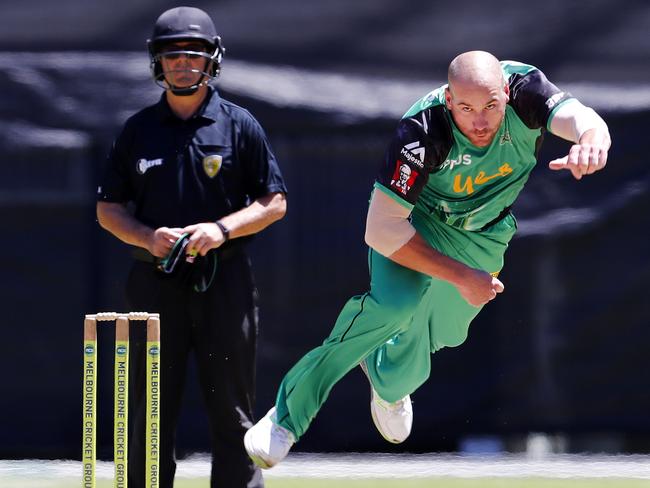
(505,169)
(480,179)
(466,187)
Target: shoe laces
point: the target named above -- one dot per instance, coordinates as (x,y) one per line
(394,407)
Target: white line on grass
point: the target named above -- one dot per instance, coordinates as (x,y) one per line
(354,465)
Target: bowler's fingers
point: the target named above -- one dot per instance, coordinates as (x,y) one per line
(602,158)
(583,159)
(570,162)
(590,157)
(497,285)
(563,163)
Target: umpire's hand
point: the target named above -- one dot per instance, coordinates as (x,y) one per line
(162,240)
(203,237)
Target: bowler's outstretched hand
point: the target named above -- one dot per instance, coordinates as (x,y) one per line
(587,156)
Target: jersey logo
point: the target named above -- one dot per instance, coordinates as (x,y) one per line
(480,179)
(143,165)
(465,159)
(413,153)
(403,177)
(212,165)
(552,101)
(505,138)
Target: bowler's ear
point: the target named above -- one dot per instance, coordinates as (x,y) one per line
(506,90)
(448,98)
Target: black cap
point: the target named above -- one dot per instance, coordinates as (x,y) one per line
(184,23)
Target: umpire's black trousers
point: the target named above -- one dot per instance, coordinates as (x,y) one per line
(220,326)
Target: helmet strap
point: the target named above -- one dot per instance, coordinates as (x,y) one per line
(184,92)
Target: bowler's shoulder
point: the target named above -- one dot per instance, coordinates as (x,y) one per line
(511,68)
(435,98)
(532,96)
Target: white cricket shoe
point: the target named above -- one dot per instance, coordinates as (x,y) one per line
(393,420)
(268,443)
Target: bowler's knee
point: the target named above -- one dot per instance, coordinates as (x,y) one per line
(449,337)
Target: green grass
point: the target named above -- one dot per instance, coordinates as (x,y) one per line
(67,474)
(455,483)
(440,482)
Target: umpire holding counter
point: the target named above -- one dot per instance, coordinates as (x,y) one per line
(187,180)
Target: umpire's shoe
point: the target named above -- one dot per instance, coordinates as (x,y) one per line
(393,420)
(268,443)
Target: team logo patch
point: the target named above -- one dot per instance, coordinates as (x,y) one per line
(413,153)
(403,177)
(142,165)
(212,165)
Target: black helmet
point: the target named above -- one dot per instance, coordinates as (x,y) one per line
(185,24)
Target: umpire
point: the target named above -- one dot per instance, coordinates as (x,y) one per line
(198,176)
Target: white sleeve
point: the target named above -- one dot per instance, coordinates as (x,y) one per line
(572,119)
(387,225)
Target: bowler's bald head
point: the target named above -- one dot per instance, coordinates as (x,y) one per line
(477,96)
(478,68)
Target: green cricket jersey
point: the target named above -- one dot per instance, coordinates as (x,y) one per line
(431,165)
(460,195)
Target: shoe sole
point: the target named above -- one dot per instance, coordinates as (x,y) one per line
(256,459)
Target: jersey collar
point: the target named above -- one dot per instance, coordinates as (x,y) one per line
(211,105)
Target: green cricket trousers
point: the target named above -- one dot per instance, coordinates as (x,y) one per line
(396,326)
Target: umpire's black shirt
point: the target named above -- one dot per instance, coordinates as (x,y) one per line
(182,172)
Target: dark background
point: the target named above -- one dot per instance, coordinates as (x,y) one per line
(562,351)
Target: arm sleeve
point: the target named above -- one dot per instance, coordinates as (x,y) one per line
(534,98)
(409,159)
(115,185)
(387,225)
(571,120)
(262,172)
